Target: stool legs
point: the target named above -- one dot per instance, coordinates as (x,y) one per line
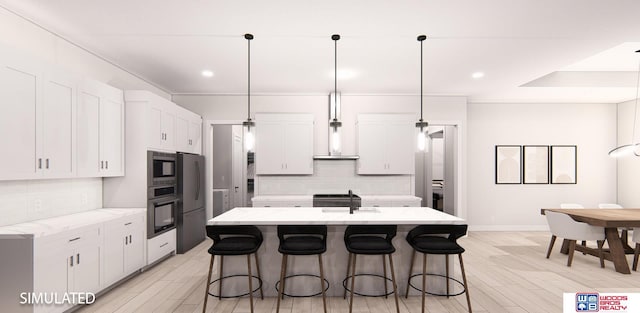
(324,298)
(395,286)
(344,295)
(258,270)
(446,266)
(220,274)
(384,270)
(250,281)
(280,292)
(413,256)
(424,278)
(353,280)
(206,292)
(464,279)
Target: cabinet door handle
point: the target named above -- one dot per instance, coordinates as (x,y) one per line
(39,163)
(71,261)
(126,240)
(164,244)
(47,163)
(129,239)
(74,239)
(125,224)
(106,164)
(101,164)
(78,259)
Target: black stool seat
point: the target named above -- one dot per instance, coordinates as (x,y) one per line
(436,245)
(301,240)
(303,245)
(233,241)
(235,246)
(437,239)
(369,245)
(369,240)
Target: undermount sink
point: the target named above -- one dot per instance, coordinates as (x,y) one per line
(346,210)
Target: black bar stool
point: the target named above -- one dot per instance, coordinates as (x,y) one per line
(429,239)
(370,240)
(302,240)
(234,240)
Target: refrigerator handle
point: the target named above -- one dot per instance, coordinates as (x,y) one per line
(198,180)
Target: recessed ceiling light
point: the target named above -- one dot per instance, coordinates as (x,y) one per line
(207,73)
(477,75)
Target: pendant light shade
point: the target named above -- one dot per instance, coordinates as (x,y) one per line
(335,124)
(633,148)
(249,139)
(422,126)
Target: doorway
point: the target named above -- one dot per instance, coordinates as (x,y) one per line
(228,168)
(436,169)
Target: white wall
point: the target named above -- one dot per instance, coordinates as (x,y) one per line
(22,201)
(592,127)
(628,167)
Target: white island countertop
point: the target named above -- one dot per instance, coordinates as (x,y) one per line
(333,216)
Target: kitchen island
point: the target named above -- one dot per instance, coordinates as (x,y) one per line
(335,259)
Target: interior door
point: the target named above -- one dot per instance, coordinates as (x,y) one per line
(237,166)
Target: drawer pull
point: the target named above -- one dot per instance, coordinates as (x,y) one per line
(125,224)
(164,244)
(74,239)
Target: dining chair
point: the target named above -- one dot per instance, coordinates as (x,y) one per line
(562,225)
(636,253)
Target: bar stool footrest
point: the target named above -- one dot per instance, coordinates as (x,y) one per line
(235,296)
(303,296)
(464,288)
(344,285)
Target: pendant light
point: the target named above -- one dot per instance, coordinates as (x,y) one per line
(249,139)
(633,146)
(422,126)
(335,124)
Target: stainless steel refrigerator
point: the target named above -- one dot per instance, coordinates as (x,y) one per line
(191,217)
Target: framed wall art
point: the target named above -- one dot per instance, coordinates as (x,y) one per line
(564,164)
(508,164)
(535,161)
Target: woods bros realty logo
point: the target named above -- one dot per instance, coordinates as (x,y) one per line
(594,302)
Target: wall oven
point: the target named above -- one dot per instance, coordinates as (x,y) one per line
(162,195)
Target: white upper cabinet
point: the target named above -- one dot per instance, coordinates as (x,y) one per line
(169,127)
(36,119)
(386,144)
(100,130)
(284,144)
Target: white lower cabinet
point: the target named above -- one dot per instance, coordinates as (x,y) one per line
(160,246)
(123,247)
(54,257)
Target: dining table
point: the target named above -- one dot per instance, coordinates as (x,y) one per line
(611,220)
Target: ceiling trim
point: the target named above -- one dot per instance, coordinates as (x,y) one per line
(303,94)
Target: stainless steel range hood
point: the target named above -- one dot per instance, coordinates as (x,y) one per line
(334,112)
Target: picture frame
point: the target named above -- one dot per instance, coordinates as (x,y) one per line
(564,164)
(508,164)
(535,160)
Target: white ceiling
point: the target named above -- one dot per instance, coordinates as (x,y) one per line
(514,42)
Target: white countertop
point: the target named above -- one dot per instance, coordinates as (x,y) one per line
(54,225)
(310,197)
(336,216)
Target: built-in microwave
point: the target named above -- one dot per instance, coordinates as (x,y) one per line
(161,168)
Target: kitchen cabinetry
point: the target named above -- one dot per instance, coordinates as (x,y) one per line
(36,119)
(386,144)
(284,144)
(74,253)
(160,246)
(100,132)
(123,247)
(168,126)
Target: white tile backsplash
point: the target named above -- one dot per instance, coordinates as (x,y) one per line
(28,200)
(334,176)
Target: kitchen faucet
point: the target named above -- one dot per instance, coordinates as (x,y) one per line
(351,206)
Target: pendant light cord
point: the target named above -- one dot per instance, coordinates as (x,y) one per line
(421,80)
(635,112)
(335,79)
(249,79)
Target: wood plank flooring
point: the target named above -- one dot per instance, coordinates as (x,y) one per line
(507,272)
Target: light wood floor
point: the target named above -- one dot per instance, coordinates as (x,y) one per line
(507,272)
